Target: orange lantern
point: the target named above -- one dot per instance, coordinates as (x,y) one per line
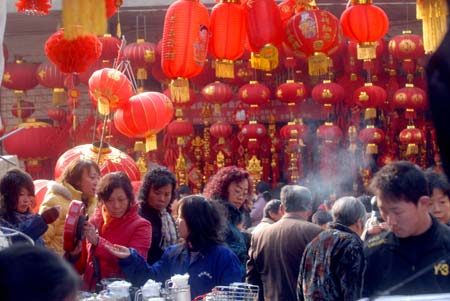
(110,160)
(109,89)
(185,44)
(412,137)
(228,33)
(328,94)
(411,99)
(49,76)
(144,116)
(314,34)
(141,54)
(370,97)
(221,130)
(329,133)
(407,47)
(364,23)
(371,136)
(291,92)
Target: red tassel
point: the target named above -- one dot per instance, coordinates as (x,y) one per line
(33,7)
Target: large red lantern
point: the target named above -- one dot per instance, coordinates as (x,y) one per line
(407,47)
(410,98)
(73,56)
(221,130)
(184,44)
(412,137)
(371,136)
(314,34)
(328,94)
(364,23)
(228,33)
(291,92)
(141,54)
(370,97)
(111,160)
(20,76)
(109,89)
(49,76)
(144,116)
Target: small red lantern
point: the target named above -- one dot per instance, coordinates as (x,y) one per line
(111,160)
(371,136)
(109,89)
(254,94)
(22,109)
(144,116)
(221,130)
(293,131)
(370,97)
(57,114)
(228,33)
(217,93)
(329,133)
(407,47)
(253,130)
(20,76)
(73,55)
(291,92)
(49,76)
(364,23)
(110,49)
(141,54)
(180,128)
(412,136)
(328,94)
(410,98)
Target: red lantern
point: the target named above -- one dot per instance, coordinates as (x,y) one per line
(364,23)
(192,98)
(314,34)
(180,128)
(22,109)
(33,7)
(412,136)
(370,97)
(328,94)
(144,116)
(217,93)
(407,47)
(110,48)
(371,136)
(20,76)
(141,54)
(185,44)
(109,89)
(329,133)
(221,130)
(291,92)
(73,55)
(254,94)
(410,98)
(228,33)
(293,131)
(49,76)
(111,160)
(253,131)
(57,114)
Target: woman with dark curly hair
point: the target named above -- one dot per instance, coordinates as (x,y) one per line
(232,187)
(202,255)
(156,196)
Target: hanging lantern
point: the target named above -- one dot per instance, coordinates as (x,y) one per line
(49,76)
(329,133)
(217,93)
(411,99)
(370,97)
(254,94)
(221,130)
(228,34)
(22,109)
(33,7)
(20,76)
(185,44)
(73,56)
(328,94)
(144,116)
(364,23)
(111,160)
(110,49)
(58,115)
(412,137)
(371,136)
(180,128)
(109,89)
(262,39)
(314,34)
(291,92)
(141,54)
(407,48)
(253,131)
(293,131)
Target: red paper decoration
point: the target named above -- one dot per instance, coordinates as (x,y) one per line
(49,76)
(33,7)
(254,94)
(110,48)
(293,131)
(180,128)
(407,48)
(221,130)
(22,109)
(410,98)
(328,94)
(329,133)
(253,131)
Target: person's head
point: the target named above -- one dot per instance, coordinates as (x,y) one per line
(273,210)
(200,221)
(158,188)
(36,273)
(439,188)
(296,198)
(182,191)
(321,218)
(115,192)
(402,197)
(262,186)
(350,212)
(232,184)
(83,175)
(17,191)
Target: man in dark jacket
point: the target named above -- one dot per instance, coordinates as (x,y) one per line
(333,263)
(413,257)
(275,253)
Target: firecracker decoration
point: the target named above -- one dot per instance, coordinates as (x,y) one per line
(33,7)
(433,14)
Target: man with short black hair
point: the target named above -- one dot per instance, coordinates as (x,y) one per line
(413,257)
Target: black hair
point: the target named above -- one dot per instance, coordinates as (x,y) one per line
(321,217)
(183,190)
(437,180)
(262,186)
(204,219)
(400,180)
(157,178)
(73,172)
(35,273)
(10,185)
(111,181)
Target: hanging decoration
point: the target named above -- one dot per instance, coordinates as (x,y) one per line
(184,44)
(411,99)
(370,97)
(371,136)
(328,94)
(217,93)
(433,14)
(33,7)
(412,137)
(181,129)
(83,17)
(49,76)
(141,55)
(110,50)
(254,94)
(407,48)
(293,133)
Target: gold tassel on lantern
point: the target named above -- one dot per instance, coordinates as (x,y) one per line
(141,74)
(266,59)
(179,90)
(370,113)
(58,96)
(318,64)
(412,149)
(103,106)
(366,51)
(433,14)
(81,17)
(150,143)
(372,149)
(225,68)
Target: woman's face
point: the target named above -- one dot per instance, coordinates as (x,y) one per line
(118,203)
(89,180)
(238,192)
(160,198)
(24,200)
(183,229)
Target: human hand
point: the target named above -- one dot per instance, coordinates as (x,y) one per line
(72,256)
(118,251)
(90,232)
